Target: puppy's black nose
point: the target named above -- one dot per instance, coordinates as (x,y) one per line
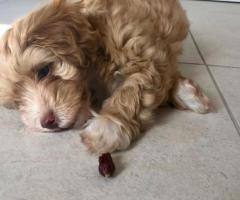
(49,121)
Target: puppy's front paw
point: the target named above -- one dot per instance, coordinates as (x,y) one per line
(103,135)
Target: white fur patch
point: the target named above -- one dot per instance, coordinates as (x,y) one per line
(103,135)
(32,109)
(190,96)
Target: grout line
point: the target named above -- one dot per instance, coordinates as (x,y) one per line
(220,66)
(191,63)
(234,121)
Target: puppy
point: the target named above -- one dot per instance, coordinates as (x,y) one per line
(57,62)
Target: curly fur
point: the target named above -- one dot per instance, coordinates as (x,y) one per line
(122,50)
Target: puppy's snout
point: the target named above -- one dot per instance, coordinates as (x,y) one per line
(49,121)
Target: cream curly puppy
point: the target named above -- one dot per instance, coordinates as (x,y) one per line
(59,62)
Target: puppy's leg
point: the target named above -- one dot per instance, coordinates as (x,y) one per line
(188,95)
(122,116)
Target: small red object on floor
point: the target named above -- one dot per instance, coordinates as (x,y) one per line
(106,166)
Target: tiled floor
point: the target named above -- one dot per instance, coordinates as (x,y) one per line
(185,156)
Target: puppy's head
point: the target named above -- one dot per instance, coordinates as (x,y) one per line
(44,60)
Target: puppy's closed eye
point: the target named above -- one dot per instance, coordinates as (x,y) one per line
(43,71)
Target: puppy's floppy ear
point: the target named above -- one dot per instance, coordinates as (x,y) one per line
(64,30)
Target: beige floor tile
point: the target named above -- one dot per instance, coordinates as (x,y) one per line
(190,53)
(216,28)
(228,80)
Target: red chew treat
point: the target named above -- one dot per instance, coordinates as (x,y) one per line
(106,166)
